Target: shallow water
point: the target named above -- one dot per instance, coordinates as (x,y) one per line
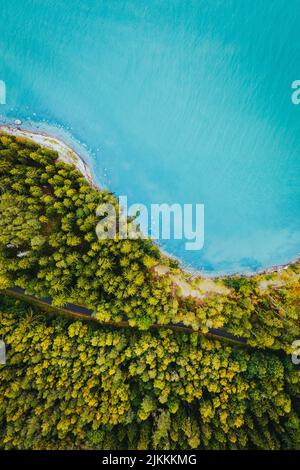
(178,102)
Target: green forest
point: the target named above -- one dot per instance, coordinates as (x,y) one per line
(73,385)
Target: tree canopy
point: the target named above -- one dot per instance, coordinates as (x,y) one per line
(72,385)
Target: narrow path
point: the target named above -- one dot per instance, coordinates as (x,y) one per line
(83,313)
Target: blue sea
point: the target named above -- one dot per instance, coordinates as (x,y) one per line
(176,101)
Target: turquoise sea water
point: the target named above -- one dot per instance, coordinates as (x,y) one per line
(178,101)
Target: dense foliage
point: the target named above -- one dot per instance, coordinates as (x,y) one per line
(49,246)
(71,385)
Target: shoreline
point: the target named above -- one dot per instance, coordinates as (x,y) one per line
(67,154)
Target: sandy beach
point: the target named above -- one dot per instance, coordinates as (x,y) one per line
(65,152)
